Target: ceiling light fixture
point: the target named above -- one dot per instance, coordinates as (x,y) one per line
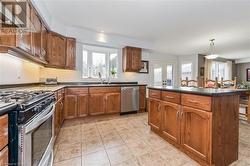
(212,55)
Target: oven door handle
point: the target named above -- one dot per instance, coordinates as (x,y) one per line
(37,122)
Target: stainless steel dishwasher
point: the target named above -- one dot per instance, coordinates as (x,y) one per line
(129,99)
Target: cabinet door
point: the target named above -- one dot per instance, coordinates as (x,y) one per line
(154,114)
(61,112)
(170,122)
(113,102)
(196,126)
(136,59)
(70,53)
(70,106)
(96,104)
(4,156)
(56,50)
(37,33)
(83,100)
(24,40)
(142,98)
(57,118)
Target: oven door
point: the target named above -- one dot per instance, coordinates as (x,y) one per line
(36,139)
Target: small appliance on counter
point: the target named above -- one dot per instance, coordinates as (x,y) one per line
(51,81)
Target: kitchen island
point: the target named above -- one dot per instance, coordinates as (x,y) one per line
(203,123)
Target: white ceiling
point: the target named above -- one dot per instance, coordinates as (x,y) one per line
(178,27)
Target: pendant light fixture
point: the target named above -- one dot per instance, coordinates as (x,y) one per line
(212,55)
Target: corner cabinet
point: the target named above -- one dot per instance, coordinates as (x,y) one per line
(196,124)
(131,57)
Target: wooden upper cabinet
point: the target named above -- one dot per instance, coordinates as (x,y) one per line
(23,41)
(70,53)
(56,50)
(131,57)
(196,129)
(96,103)
(170,121)
(154,115)
(36,26)
(70,106)
(44,49)
(113,102)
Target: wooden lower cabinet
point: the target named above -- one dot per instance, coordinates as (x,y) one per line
(113,102)
(97,104)
(70,110)
(4,157)
(142,98)
(196,134)
(170,125)
(82,102)
(154,114)
(3,131)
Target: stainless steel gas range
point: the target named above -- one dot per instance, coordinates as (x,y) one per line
(31,130)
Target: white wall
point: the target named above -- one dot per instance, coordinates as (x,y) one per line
(15,71)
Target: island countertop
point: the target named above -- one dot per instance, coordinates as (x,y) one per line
(199,91)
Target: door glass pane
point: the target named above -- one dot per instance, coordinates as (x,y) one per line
(158,76)
(186,71)
(84,64)
(169,75)
(98,65)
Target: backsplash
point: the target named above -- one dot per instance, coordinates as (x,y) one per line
(15,71)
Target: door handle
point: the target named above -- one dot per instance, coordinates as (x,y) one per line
(177,115)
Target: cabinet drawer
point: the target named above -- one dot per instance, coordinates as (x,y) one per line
(155,94)
(3,131)
(76,90)
(173,97)
(104,89)
(196,101)
(4,156)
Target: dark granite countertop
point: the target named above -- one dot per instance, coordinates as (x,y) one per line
(68,84)
(199,91)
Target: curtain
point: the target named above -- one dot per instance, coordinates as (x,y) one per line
(208,68)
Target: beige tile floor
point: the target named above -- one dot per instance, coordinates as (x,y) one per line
(125,141)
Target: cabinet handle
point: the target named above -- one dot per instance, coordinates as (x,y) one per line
(182,114)
(191,101)
(177,115)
